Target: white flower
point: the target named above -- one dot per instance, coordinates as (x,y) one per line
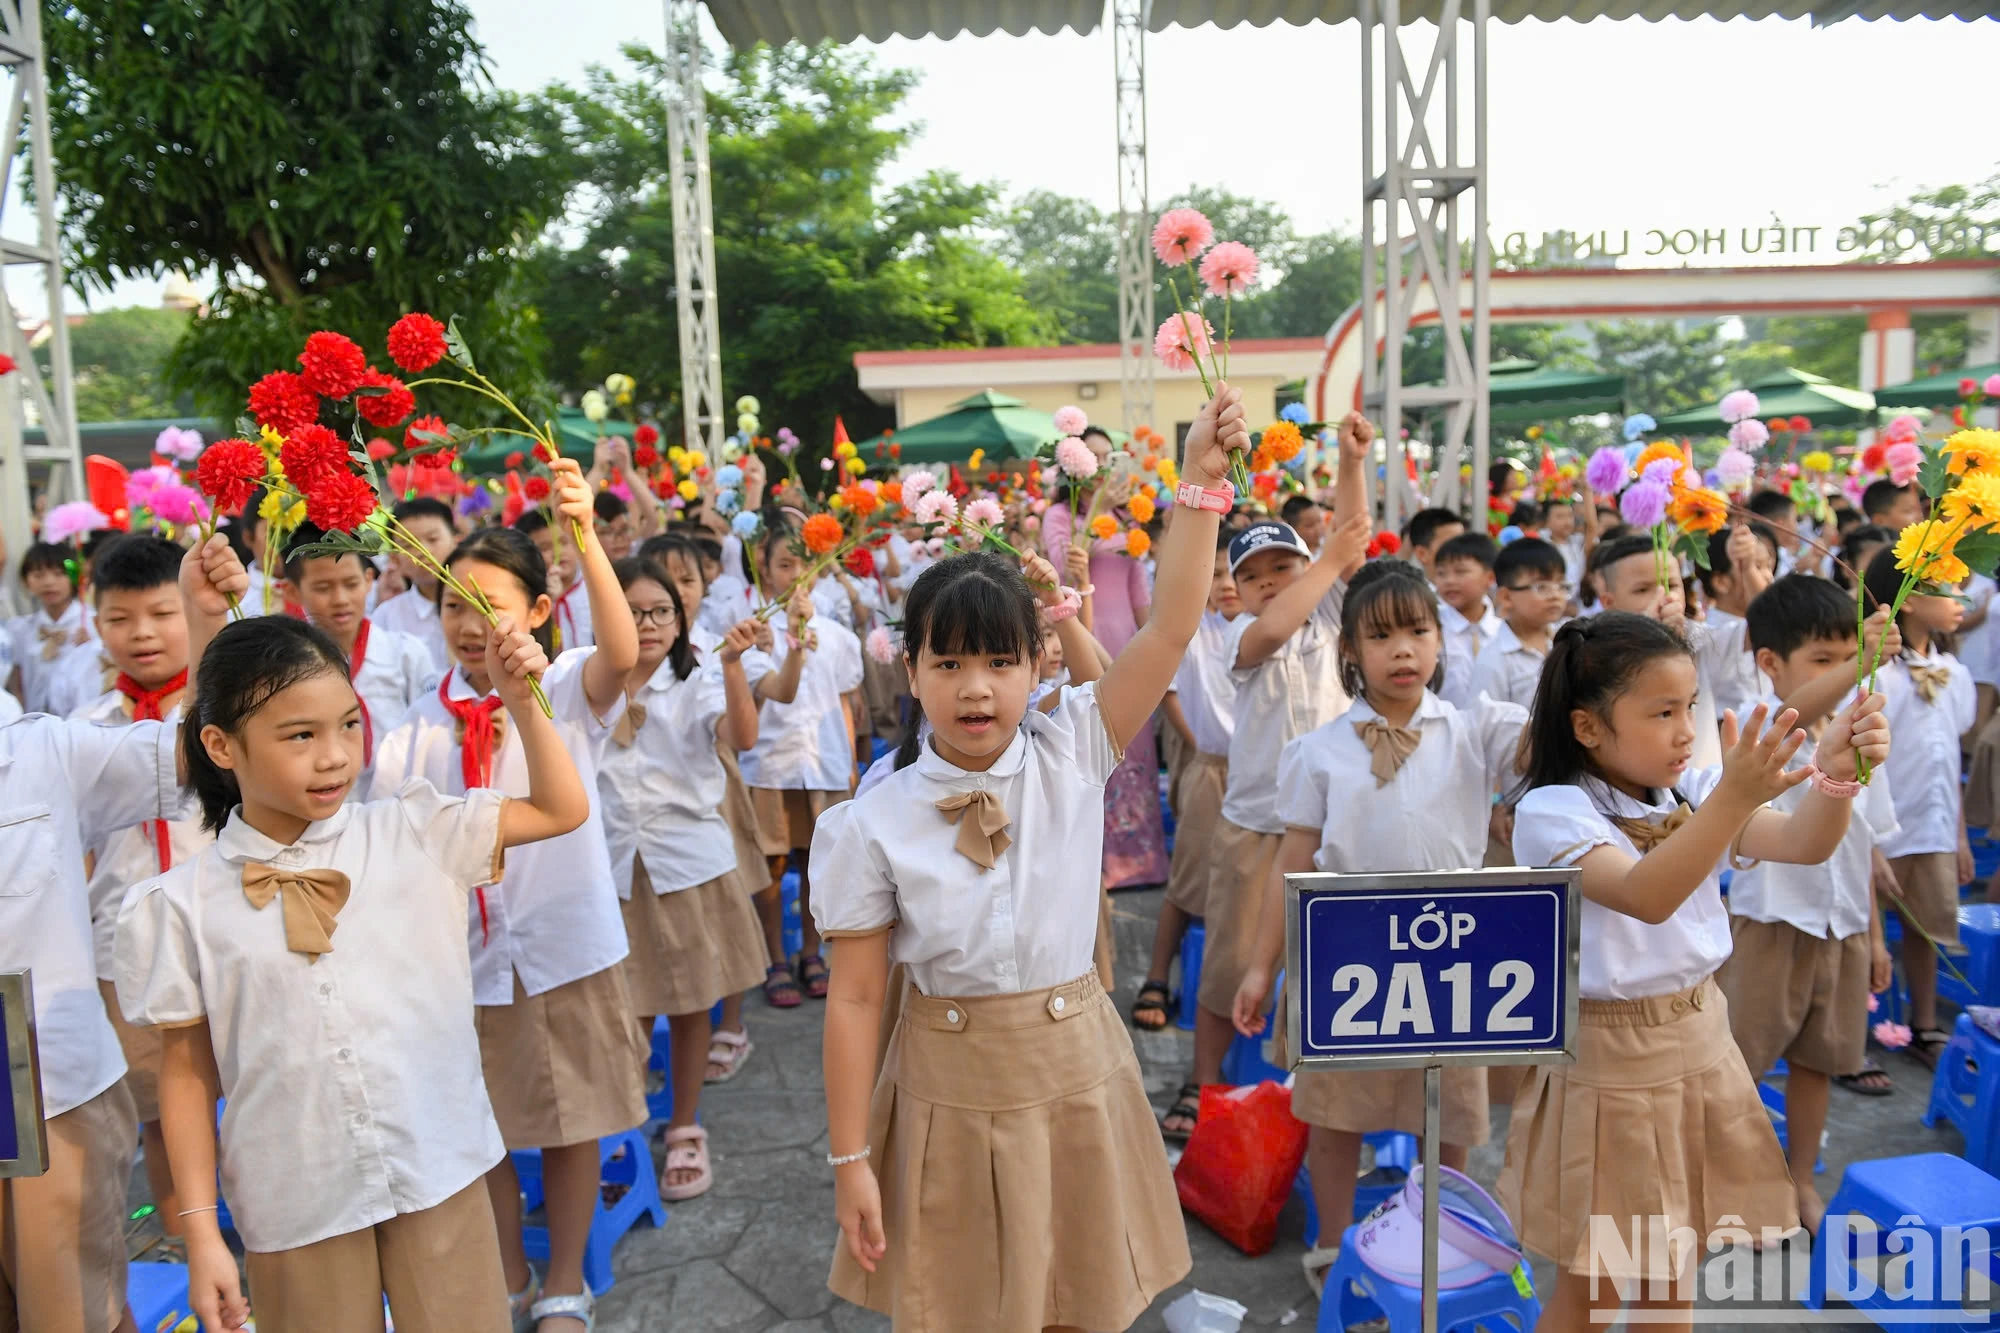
(594,406)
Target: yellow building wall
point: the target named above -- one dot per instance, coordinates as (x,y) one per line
(1175,401)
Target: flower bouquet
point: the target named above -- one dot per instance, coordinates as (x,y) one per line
(1184,339)
(1661,493)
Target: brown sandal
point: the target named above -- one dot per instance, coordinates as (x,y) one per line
(1186,1107)
(1149,1010)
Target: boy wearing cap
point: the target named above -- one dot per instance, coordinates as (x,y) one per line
(1283,656)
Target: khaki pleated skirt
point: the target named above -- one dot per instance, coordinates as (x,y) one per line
(690,947)
(1023,1179)
(1201,786)
(1366,1100)
(1657,1119)
(753,871)
(566,1066)
(786,816)
(1239,863)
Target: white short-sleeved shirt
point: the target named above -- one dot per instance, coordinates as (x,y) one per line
(1830,901)
(1979,649)
(80,676)
(1623,957)
(1466,636)
(724,605)
(1505,669)
(572,617)
(891,858)
(263,597)
(804,745)
(410,612)
(830,599)
(63,785)
(1432,816)
(393,674)
(1923,759)
(353,1080)
(1286,695)
(76,637)
(1726,666)
(1206,687)
(554,917)
(128,855)
(662,795)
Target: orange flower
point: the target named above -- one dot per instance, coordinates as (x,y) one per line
(1654,452)
(1262,461)
(1282,441)
(892,492)
(1150,462)
(1137,543)
(1141,507)
(1698,510)
(821,533)
(1104,526)
(860,499)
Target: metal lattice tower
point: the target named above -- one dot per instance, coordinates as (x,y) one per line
(1135,260)
(694,231)
(28,101)
(1418,195)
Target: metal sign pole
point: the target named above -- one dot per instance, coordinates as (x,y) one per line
(1433,1125)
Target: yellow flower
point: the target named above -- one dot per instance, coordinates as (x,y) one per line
(1926,549)
(272,510)
(1819,460)
(1534,432)
(1974,502)
(270,441)
(972,463)
(689,490)
(857,466)
(621,386)
(1973,451)
(693,459)
(1141,507)
(835,502)
(296,514)
(845,449)
(677,456)
(1170,473)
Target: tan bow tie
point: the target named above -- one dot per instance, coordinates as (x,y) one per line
(627,730)
(1929,680)
(1645,834)
(54,639)
(312,898)
(1390,746)
(983,836)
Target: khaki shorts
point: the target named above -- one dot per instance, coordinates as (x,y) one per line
(566,1066)
(1795,995)
(62,1235)
(1929,881)
(785,818)
(1240,862)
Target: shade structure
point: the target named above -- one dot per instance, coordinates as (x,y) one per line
(1004,427)
(575,433)
(1789,393)
(1522,391)
(1939,390)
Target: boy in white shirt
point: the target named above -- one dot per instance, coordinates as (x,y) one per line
(1464,582)
(1741,563)
(1427,530)
(1807,940)
(58,629)
(415,610)
(1559,526)
(1532,596)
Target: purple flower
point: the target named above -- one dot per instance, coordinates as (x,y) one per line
(67,522)
(1662,471)
(1605,472)
(1644,504)
(179,504)
(177,443)
(1734,469)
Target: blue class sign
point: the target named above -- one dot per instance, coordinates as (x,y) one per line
(1433,968)
(24,1148)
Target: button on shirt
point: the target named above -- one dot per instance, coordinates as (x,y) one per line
(1286,695)
(1505,669)
(1830,901)
(554,917)
(1924,758)
(63,785)
(38,672)
(1028,923)
(804,745)
(410,612)
(1431,816)
(1623,957)
(662,795)
(1206,687)
(353,1082)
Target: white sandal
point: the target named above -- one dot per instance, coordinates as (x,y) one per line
(520,1304)
(1317,1263)
(687,1150)
(581,1308)
(734,1051)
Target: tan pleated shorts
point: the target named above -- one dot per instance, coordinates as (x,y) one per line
(566,1066)
(1658,1118)
(785,818)
(1800,996)
(1239,863)
(440,1269)
(690,947)
(1929,881)
(143,1047)
(1201,786)
(1367,1100)
(62,1234)
(753,872)
(1023,1179)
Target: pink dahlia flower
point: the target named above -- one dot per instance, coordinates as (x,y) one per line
(1180,235)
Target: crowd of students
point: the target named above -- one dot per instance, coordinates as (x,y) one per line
(340,869)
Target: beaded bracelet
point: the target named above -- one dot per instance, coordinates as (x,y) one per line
(851,1158)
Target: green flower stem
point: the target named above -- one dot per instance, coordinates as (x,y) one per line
(1911,580)
(208,533)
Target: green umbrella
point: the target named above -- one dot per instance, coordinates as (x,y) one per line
(1939,390)
(1521,391)
(1788,393)
(1004,427)
(575,433)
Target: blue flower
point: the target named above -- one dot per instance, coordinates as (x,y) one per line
(728,477)
(728,502)
(1510,533)
(744,524)
(1639,424)
(1296,414)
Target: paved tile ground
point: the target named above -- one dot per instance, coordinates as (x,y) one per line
(752,1256)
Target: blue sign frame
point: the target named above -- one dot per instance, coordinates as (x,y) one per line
(1422,969)
(24,1141)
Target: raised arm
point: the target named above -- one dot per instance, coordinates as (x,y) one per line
(210,575)
(610,620)
(1291,608)
(737,727)
(556,800)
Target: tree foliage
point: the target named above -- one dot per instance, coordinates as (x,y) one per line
(117,356)
(335,162)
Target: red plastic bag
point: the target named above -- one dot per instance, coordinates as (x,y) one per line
(1241,1161)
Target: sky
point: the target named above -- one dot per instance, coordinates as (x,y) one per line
(1624,126)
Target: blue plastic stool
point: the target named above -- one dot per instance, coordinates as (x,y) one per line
(660,1105)
(1168,824)
(1942,1191)
(1979,935)
(1394,1152)
(158,1295)
(1894,1002)
(628,1162)
(788,895)
(1966,1091)
(1192,944)
(1355,1293)
(1985,854)
(1774,1103)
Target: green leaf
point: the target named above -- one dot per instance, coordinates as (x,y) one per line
(454,343)
(1933,479)
(247,429)
(368,541)
(1980,551)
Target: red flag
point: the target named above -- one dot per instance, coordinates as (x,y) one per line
(840,433)
(105,478)
(1548,469)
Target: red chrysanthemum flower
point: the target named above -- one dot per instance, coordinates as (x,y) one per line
(379,449)
(387,410)
(334,364)
(432,424)
(542,453)
(861,563)
(515,460)
(437,460)
(1874,456)
(284,402)
(312,455)
(536,488)
(646,435)
(416,342)
(645,455)
(7,364)
(341,503)
(229,473)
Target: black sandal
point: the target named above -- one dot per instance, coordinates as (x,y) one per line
(1187,1106)
(1152,1002)
(1926,1044)
(1871,1081)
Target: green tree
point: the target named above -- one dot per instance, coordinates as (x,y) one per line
(1948,222)
(815,261)
(1067,254)
(336,162)
(1667,368)
(118,356)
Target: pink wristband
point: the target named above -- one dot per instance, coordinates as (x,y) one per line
(1071,603)
(1834,787)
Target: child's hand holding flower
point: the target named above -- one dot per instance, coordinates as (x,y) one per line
(571,492)
(1860,729)
(212,577)
(520,659)
(1219,429)
(1754,757)
(742,637)
(1042,578)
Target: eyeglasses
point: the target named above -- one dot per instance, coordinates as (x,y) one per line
(1542,589)
(662,616)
